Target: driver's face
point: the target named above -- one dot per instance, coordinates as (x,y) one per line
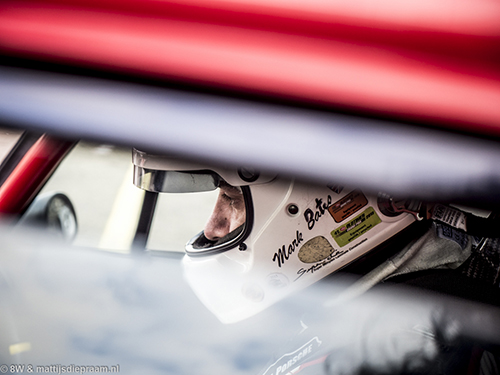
(228,214)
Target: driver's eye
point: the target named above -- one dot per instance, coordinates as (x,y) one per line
(227,198)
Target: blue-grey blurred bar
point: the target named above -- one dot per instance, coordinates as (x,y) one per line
(375,155)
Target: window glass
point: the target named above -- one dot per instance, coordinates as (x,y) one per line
(98,179)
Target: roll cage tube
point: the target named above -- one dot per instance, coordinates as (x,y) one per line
(16,153)
(31,173)
(145,221)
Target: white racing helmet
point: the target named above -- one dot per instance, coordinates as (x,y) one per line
(293,234)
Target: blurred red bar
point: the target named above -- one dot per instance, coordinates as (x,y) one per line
(432,61)
(29,176)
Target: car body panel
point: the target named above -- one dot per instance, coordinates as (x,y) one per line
(414,61)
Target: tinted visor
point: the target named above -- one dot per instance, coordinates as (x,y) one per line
(159,181)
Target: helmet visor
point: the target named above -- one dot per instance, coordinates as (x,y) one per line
(160,181)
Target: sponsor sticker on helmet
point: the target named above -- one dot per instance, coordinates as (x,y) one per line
(315,250)
(356,227)
(347,206)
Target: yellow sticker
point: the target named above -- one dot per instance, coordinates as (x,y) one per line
(355,228)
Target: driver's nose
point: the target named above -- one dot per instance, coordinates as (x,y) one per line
(219,223)
(228,215)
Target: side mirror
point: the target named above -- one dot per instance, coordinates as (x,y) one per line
(52,212)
